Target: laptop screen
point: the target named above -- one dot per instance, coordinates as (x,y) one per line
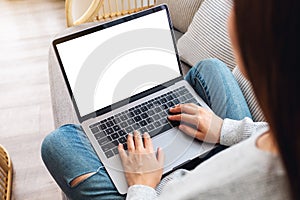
(119,61)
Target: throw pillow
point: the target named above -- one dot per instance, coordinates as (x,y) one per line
(207,35)
(182,12)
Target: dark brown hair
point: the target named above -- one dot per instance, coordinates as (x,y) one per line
(269,40)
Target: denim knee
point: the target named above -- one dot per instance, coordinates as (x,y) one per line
(53,139)
(207,66)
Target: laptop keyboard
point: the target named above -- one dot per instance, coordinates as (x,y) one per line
(150,117)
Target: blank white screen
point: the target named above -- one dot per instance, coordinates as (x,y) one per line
(110,65)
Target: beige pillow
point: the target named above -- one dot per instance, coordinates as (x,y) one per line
(207,35)
(182,12)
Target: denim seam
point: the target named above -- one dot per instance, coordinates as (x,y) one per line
(201,82)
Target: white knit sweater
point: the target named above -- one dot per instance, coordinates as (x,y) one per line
(242,171)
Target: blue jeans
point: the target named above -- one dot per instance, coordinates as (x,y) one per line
(67,153)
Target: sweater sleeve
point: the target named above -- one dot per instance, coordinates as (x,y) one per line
(140,192)
(235,131)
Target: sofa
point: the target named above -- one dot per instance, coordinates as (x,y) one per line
(201,32)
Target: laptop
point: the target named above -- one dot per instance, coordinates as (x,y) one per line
(122,76)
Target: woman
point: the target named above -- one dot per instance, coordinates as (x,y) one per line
(265,166)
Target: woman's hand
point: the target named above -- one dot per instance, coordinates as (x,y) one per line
(141,165)
(197,122)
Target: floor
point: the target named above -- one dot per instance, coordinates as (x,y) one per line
(27,27)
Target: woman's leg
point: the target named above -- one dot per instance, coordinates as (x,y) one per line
(68,154)
(215,83)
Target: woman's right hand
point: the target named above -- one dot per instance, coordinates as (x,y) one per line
(197,122)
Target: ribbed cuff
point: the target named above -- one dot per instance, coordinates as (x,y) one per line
(140,192)
(234,131)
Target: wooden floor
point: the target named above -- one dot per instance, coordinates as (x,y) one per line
(27,27)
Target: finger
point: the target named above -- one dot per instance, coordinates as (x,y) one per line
(138,141)
(130,143)
(185,108)
(122,152)
(160,157)
(148,142)
(191,119)
(192,132)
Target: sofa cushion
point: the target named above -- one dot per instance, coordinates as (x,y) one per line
(182,12)
(248,93)
(207,36)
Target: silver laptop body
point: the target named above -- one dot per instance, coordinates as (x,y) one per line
(112,99)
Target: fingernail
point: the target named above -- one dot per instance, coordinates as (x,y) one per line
(146,134)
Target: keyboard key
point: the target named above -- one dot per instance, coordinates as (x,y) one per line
(109,154)
(144,109)
(107,147)
(143,123)
(151,112)
(102,126)
(150,105)
(116,128)
(144,115)
(129,129)
(121,133)
(157,124)
(157,109)
(136,126)
(164,121)
(95,130)
(122,140)
(115,151)
(188,96)
(117,120)
(137,118)
(149,120)
(109,131)
(170,104)
(163,114)
(131,114)
(176,101)
(114,136)
(164,107)
(94,125)
(109,123)
(163,100)
(99,135)
(143,130)
(130,121)
(156,117)
(103,141)
(115,143)
(123,117)
(137,112)
(124,124)
(150,127)
(169,98)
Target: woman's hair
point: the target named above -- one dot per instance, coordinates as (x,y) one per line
(269,41)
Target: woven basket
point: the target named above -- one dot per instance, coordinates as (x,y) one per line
(104,10)
(5,175)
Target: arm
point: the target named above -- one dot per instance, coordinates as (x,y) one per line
(235,131)
(204,125)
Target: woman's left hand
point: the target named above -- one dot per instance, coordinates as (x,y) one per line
(141,164)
